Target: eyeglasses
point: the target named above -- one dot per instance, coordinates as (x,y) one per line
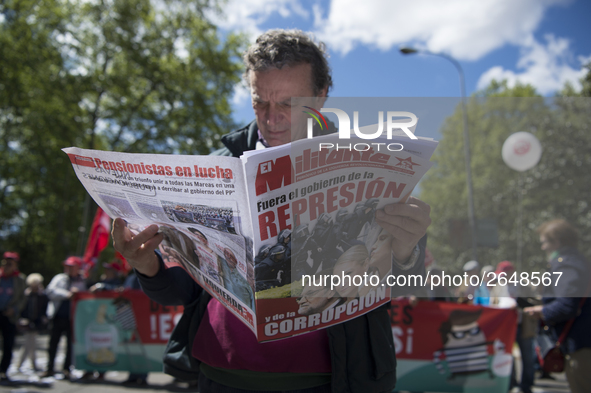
(462,333)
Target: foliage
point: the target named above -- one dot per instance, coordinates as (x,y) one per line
(555,188)
(128,75)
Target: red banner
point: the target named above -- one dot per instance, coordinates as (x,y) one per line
(449,347)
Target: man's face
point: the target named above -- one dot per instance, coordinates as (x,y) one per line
(72,270)
(201,238)
(313,300)
(381,250)
(271,93)
(350,268)
(230,258)
(110,273)
(547,245)
(9,265)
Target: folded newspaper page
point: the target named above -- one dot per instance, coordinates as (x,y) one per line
(261,231)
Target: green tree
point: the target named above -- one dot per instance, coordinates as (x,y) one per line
(126,75)
(555,188)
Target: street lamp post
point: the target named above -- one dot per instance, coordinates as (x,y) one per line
(467,155)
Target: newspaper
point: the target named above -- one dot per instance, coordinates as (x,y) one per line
(250,230)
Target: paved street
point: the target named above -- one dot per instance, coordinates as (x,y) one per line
(26,381)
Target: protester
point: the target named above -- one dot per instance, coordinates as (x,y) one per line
(566,299)
(502,288)
(482,293)
(357,355)
(60,290)
(33,318)
(437,290)
(12,301)
(111,280)
(526,327)
(466,290)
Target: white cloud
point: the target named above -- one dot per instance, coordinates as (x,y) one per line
(247,15)
(546,67)
(467,30)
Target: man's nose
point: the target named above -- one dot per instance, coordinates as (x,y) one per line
(274,115)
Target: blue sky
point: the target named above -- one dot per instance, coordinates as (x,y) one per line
(541,42)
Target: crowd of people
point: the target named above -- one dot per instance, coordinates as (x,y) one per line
(29,308)
(218,218)
(545,309)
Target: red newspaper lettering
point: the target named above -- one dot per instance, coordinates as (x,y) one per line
(331,198)
(267,225)
(299,207)
(273,175)
(346,194)
(393,190)
(283,217)
(316,205)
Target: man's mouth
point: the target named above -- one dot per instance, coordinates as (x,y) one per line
(275,133)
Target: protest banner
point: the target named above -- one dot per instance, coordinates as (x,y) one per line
(123,331)
(450,347)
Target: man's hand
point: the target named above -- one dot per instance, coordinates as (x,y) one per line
(535,311)
(138,249)
(407,223)
(72,291)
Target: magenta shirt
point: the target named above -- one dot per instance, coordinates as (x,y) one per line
(223,341)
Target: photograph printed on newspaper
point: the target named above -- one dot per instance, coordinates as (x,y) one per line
(313,213)
(200,206)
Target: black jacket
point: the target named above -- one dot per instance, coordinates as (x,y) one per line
(363,356)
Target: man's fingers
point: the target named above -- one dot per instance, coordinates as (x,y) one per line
(410,208)
(403,233)
(416,222)
(128,244)
(144,238)
(120,233)
(406,222)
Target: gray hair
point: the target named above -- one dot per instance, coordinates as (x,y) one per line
(34,279)
(278,48)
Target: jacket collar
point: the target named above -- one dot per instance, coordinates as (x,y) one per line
(242,140)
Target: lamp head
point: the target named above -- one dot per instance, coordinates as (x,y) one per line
(408,51)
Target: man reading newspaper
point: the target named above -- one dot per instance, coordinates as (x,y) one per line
(354,356)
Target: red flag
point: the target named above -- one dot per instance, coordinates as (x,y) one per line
(126,266)
(97,240)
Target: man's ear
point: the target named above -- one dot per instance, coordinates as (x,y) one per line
(321,97)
